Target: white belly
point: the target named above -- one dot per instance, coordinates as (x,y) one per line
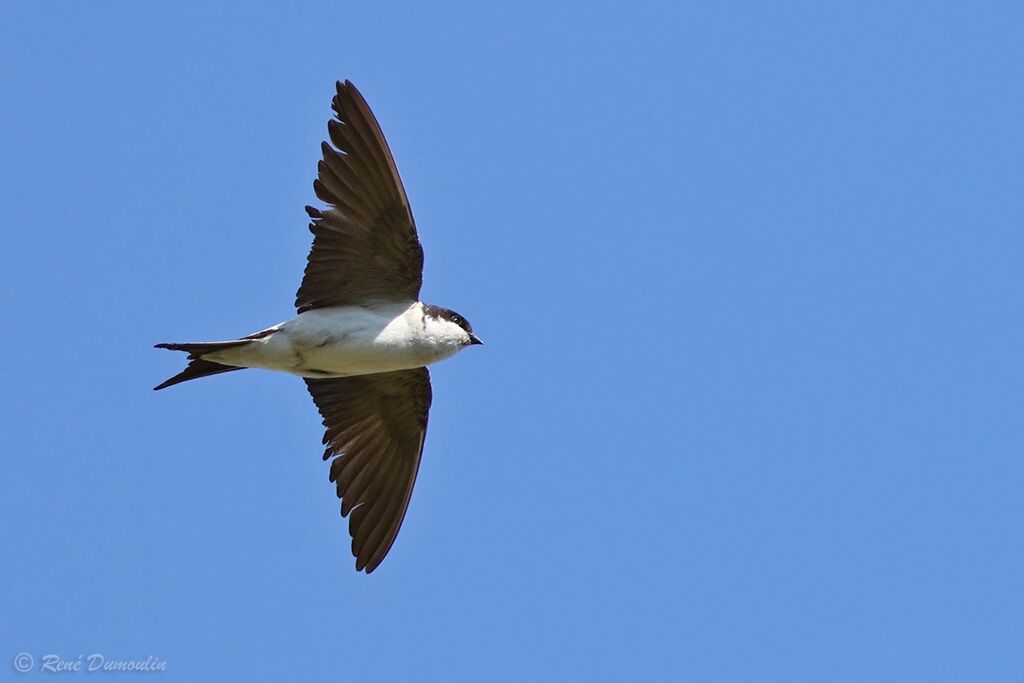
(344,341)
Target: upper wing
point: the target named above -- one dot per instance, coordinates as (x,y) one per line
(365,247)
(375,425)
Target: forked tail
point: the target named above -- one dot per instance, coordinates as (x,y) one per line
(197,367)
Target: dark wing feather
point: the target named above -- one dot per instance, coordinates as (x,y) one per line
(375,425)
(365,247)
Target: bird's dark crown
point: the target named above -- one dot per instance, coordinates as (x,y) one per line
(448,314)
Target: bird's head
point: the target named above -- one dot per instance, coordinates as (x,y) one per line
(451,325)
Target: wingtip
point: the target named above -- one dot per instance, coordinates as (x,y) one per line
(365,566)
(343,91)
(349,90)
(360,561)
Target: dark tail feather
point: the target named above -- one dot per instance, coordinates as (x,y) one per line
(197,367)
(196,349)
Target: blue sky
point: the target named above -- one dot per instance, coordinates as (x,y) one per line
(749,276)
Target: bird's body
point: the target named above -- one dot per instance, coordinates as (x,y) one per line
(362,338)
(349,340)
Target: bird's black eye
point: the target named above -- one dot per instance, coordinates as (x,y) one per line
(457,320)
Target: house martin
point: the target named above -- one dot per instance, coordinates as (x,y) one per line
(362,338)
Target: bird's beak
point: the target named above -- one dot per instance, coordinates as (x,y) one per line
(473,339)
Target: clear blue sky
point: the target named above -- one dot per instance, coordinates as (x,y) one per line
(750,278)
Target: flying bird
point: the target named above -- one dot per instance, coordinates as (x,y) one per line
(362,338)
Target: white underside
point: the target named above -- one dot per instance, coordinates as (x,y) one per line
(350,340)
